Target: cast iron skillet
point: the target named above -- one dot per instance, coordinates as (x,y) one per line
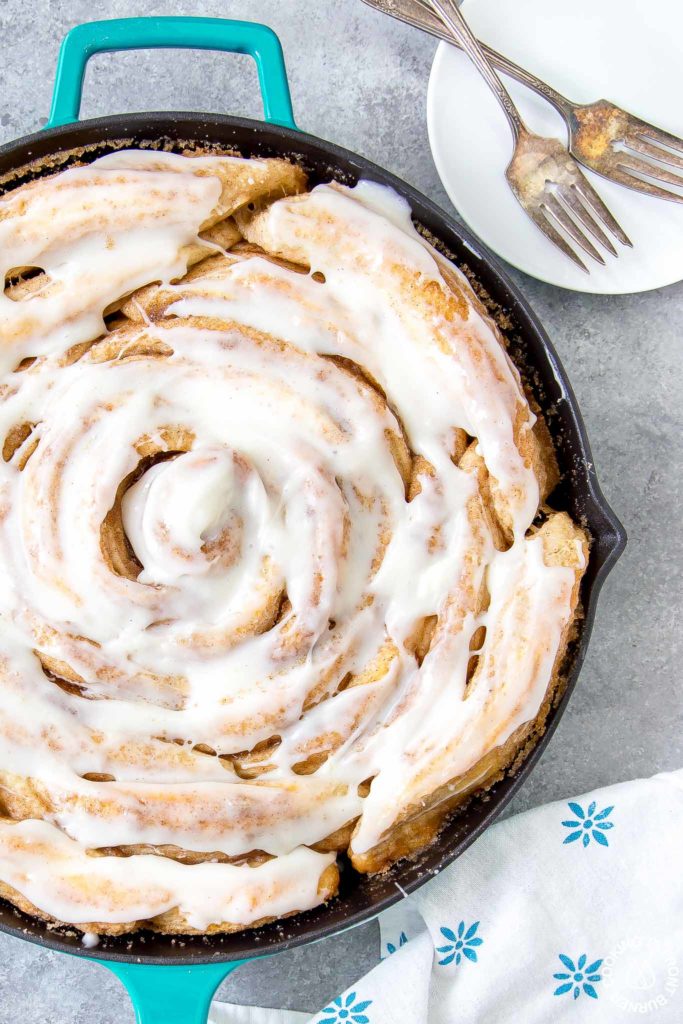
(174,980)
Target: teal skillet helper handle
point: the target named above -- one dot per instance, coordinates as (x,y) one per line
(171,995)
(84,41)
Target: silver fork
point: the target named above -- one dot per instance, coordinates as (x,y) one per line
(545,179)
(618,145)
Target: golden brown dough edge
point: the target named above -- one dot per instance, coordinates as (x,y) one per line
(422,823)
(172,922)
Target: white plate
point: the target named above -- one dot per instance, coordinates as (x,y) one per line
(623,50)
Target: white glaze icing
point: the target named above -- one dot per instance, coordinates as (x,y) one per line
(35,857)
(291,487)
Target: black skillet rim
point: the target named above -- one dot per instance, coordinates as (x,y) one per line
(360,899)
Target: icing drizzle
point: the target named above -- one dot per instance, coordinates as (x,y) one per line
(218,536)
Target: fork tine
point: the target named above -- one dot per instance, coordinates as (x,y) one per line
(541,221)
(648,131)
(552,206)
(570,196)
(623,177)
(642,145)
(631,162)
(594,202)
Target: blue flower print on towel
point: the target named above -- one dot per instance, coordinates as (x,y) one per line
(578,977)
(460,945)
(402,939)
(588,824)
(346,1011)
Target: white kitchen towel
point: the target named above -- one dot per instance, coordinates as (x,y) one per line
(571,912)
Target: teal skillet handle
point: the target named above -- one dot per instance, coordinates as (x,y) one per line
(83,41)
(171,995)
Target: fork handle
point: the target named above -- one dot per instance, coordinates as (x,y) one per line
(560,102)
(420,14)
(448,11)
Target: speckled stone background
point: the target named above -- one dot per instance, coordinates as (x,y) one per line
(360,80)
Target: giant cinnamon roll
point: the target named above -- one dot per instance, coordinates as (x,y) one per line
(278,583)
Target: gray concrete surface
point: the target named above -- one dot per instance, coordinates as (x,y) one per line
(360,80)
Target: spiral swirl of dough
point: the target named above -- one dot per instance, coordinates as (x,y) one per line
(274,585)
